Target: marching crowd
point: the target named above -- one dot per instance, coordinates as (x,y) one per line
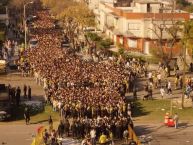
(92,93)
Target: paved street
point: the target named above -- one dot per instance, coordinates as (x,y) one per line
(162,135)
(17,134)
(20,134)
(15,80)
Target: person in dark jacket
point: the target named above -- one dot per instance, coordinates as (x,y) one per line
(61,129)
(18,96)
(29,93)
(25,91)
(27,115)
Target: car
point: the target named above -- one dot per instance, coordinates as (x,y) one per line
(5,105)
(33,43)
(57,24)
(31,18)
(65,44)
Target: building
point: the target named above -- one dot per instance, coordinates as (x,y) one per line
(132,23)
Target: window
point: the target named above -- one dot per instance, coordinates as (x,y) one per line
(132,43)
(148,8)
(133,26)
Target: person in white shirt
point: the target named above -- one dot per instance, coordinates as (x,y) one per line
(169,88)
(159,79)
(162,92)
(176,118)
(93,136)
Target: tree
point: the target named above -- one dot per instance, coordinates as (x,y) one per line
(76,16)
(162,27)
(187,41)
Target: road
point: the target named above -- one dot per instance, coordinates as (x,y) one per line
(17,133)
(14,133)
(162,135)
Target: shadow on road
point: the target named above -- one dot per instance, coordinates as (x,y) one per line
(143,130)
(38,122)
(139,110)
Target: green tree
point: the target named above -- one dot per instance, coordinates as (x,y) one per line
(187,41)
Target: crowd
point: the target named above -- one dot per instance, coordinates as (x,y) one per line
(92,93)
(15,93)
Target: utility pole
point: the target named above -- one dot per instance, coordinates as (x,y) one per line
(184,73)
(25,25)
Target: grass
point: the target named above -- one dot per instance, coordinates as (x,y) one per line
(36,117)
(150,111)
(154,111)
(41,117)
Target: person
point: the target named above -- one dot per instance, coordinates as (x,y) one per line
(45,136)
(29,93)
(162,92)
(27,115)
(61,129)
(50,122)
(126,135)
(18,95)
(169,88)
(132,143)
(93,136)
(25,91)
(103,138)
(135,93)
(176,119)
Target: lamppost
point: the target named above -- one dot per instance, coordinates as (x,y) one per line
(25,27)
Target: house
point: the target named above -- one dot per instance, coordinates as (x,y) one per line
(131,23)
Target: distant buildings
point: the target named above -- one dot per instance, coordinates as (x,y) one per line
(131,22)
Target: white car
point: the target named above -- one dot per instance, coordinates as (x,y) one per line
(33,43)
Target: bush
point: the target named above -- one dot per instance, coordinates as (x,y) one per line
(93,36)
(106,43)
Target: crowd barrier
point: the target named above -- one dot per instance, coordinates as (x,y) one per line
(133,136)
(38,140)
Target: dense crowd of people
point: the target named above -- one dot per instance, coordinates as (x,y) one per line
(15,93)
(92,93)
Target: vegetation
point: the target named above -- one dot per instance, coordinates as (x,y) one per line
(187,39)
(93,37)
(184,5)
(37,116)
(105,43)
(76,16)
(154,111)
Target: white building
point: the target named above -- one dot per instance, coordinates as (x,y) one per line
(133,25)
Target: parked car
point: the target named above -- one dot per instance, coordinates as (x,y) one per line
(5,105)
(33,43)
(64,44)
(57,24)
(31,18)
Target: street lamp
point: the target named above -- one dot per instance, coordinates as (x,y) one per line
(25,27)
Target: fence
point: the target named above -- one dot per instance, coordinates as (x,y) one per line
(38,140)
(133,136)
